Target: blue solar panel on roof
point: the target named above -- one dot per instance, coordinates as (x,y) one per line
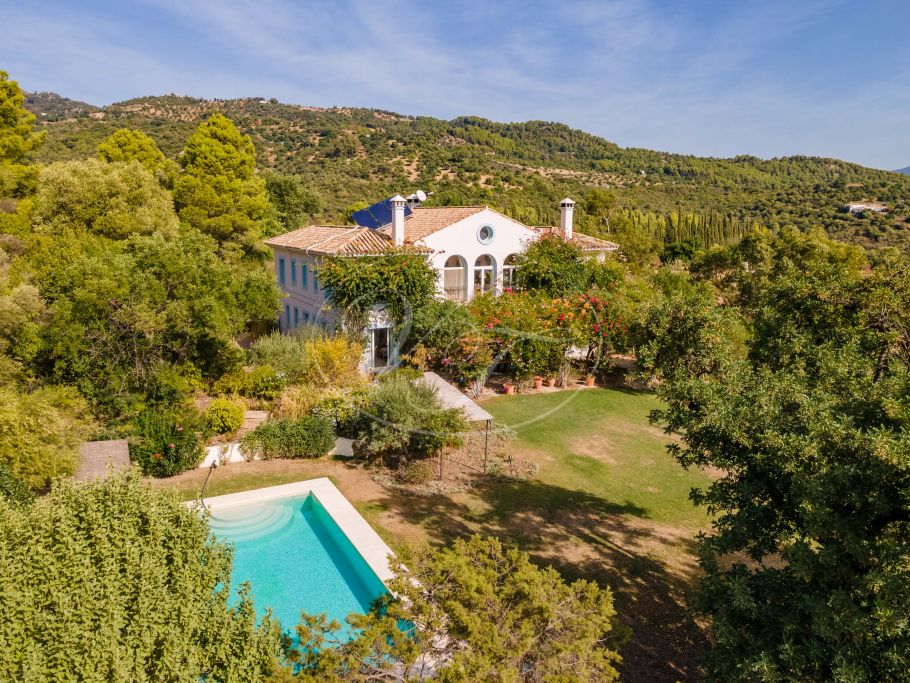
(377,215)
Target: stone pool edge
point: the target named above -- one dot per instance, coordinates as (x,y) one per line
(362,536)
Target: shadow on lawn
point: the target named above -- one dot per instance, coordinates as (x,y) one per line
(648,566)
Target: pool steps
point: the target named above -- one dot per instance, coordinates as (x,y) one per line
(252,522)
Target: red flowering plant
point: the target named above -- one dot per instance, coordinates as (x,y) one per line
(165,443)
(522,327)
(595,328)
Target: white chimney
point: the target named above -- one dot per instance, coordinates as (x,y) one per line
(566,211)
(398,203)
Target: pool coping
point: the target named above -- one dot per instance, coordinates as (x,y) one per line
(362,536)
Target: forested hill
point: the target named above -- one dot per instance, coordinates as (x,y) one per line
(347,156)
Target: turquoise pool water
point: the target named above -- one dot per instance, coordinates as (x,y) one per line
(296,559)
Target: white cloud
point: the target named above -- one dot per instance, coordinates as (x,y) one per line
(665,77)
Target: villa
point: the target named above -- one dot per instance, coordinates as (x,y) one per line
(473,249)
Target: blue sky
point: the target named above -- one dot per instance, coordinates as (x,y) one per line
(715,78)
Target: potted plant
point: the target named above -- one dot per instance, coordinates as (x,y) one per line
(508,388)
(551,381)
(589,379)
(538,381)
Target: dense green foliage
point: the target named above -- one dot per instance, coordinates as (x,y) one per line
(401,279)
(403,419)
(132,145)
(165,443)
(218,192)
(113,200)
(115,582)
(293,203)
(224,416)
(797,391)
(14,489)
(311,436)
(310,357)
(111,306)
(347,155)
(486,612)
(41,432)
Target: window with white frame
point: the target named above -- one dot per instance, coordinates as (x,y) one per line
(509,266)
(454,276)
(484,274)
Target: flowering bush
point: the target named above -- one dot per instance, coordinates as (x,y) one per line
(165,444)
(537,333)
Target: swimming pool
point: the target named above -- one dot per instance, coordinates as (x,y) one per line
(296,555)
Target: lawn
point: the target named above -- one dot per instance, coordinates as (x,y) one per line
(608,504)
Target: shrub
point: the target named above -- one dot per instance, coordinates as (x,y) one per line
(310,357)
(14,489)
(297,400)
(403,373)
(165,444)
(333,361)
(309,437)
(342,407)
(116,581)
(284,352)
(40,433)
(482,613)
(438,327)
(224,416)
(404,420)
(264,383)
(417,473)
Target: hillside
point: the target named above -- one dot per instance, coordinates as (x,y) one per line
(350,155)
(49,106)
(905,170)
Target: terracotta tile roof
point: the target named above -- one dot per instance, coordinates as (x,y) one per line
(333,240)
(584,242)
(428,219)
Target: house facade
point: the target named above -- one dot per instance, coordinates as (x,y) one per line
(472,249)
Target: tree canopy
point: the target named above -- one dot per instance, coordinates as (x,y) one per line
(132,145)
(116,582)
(218,192)
(475,611)
(806,566)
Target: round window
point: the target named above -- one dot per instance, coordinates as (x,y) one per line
(485,234)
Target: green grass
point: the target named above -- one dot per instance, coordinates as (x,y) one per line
(608,504)
(600,442)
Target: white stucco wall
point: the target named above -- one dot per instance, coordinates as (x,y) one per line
(461,239)
(306,298)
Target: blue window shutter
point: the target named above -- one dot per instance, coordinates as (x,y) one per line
(306,317)
(303,273)
(287,315)
(281,271)
(296,316)
(293,272)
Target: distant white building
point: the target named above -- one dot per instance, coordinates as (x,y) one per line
(472,249)
(859,207)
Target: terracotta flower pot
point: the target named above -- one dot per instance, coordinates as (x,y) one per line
(551,382)
(508,388)
(589,380)
(538,382)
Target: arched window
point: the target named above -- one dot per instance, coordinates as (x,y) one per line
(454,278)
(484,276)
(508,271)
